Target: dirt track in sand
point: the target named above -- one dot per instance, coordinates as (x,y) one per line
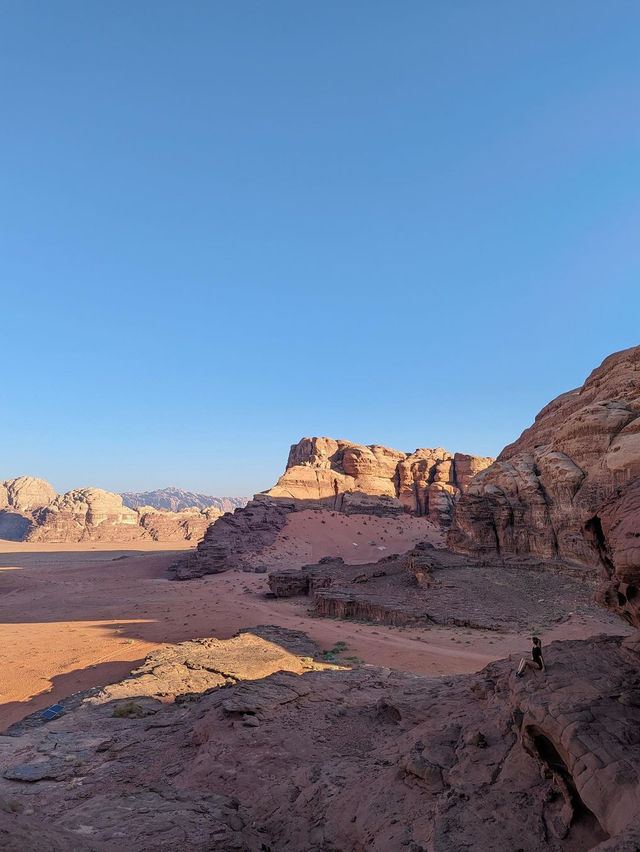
(77,616)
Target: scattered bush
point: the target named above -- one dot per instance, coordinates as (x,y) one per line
(128,710)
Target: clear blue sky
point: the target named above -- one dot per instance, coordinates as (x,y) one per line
(226,225)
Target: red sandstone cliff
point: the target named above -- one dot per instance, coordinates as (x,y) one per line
(539,497)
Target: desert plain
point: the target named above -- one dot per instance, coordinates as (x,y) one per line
(82,615)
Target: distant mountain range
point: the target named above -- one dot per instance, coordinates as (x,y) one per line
(175,499)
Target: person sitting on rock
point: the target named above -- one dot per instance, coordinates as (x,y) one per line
(537,663)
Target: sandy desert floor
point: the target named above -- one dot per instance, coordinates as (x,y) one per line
(312,534)
(77,616)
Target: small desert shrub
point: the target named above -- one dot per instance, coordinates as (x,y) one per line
(128,710)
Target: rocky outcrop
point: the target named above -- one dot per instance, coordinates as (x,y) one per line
(614,532)
(30,510)
(325,474)
(175,500)
(248,530)
(322,471)
(366,758)
(435,586)
(536,498)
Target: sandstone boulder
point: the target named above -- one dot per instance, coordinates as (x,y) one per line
(247,530)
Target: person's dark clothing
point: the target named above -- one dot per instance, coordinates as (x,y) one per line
(536,653)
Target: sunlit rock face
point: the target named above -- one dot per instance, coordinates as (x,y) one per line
(427,482)
(25,493)
(31,510)
(536,498)
(615,533)
(176,499)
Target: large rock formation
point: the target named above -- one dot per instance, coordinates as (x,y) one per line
(541,492)
(325,474)
(175,500)
(31,510)
(322,471)
(188,754)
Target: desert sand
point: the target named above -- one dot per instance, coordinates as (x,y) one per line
(77,616)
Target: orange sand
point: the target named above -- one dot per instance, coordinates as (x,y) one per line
(312,534)
(72,618)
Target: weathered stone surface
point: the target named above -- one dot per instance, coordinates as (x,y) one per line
(536,498)
(322,471)
(347,759)
(434,586)
(85,513)
(176,499)
(187,524)
(31,510)
(614,531)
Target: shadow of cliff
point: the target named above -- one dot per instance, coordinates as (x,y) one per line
(66,685)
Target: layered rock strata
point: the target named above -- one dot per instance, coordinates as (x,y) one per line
(358,759)
(322,471)
(537,497)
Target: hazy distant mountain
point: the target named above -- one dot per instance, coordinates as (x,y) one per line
(175,499)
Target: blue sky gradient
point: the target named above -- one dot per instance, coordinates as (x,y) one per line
(225,226)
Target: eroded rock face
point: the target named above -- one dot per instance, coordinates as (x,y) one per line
(30,510)
(176,499)
(615,534)
(247,530)
(428,585)
(83,514)
(535,499)
(322,471)
(344,759)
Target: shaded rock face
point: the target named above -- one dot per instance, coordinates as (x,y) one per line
(247,530)
(536,498)
(614,532)
(175,500)
(30,510)
(425,483)
(344,759)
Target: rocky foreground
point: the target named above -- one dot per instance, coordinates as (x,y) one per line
(199,750)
